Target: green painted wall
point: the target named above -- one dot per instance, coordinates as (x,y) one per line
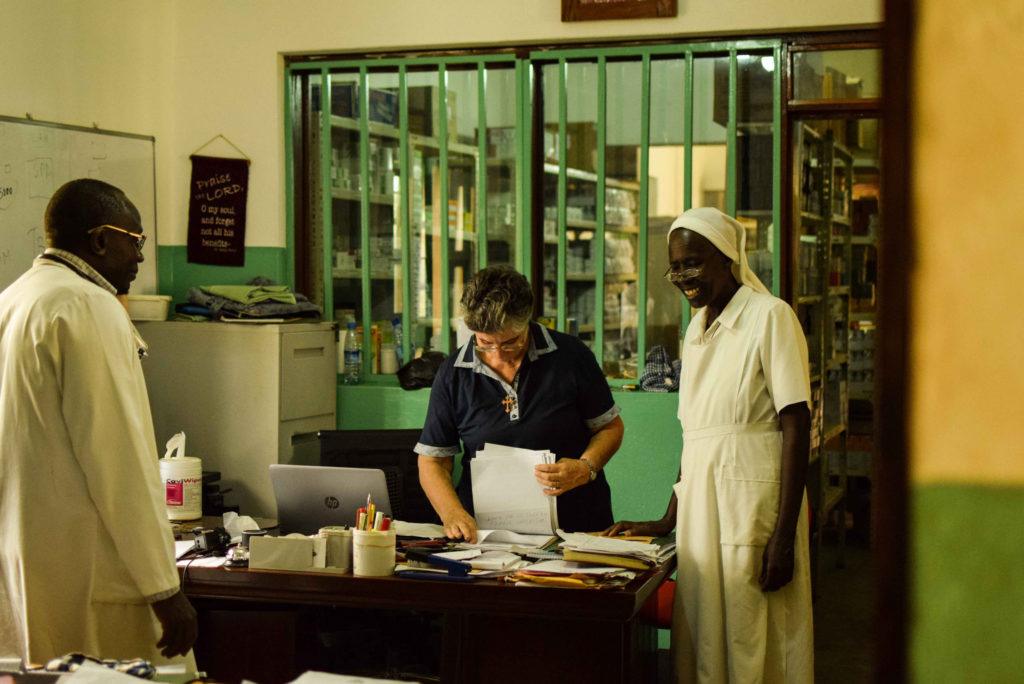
(641,474)
(176,275)
(967,570)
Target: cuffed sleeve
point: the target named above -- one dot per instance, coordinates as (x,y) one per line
(440,436)
(784,357)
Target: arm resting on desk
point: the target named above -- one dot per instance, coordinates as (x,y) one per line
(652,528)
(436,480)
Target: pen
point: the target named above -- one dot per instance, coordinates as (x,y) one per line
(378,520)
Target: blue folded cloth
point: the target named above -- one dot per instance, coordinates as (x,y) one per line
(660,374)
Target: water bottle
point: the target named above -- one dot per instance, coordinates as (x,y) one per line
(353,355)
(396,332)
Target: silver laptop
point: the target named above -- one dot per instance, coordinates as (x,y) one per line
(310,497)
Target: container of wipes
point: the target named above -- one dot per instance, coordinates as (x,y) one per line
(373,553)
(183,481)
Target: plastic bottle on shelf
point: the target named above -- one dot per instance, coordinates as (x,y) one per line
(396,333)
(353,356)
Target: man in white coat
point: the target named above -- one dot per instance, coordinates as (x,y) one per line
(86,552)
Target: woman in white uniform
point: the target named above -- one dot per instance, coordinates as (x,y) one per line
(743,599)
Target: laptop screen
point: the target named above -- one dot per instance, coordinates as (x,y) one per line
(311,497)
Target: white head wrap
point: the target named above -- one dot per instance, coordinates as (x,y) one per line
(727,235)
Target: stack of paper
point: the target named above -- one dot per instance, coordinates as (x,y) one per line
(616,552)
(564,573)
(507,496)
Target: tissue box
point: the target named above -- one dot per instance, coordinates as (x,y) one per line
(293,552)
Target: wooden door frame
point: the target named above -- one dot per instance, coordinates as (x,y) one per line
(896,258)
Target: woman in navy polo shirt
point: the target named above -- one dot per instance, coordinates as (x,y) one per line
(519,384)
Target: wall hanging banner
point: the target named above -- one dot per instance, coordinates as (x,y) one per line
(216,210)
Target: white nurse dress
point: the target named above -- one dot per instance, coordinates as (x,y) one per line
(737,375)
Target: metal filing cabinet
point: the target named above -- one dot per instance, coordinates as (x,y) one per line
(246,395)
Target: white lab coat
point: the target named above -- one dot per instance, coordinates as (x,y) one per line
(736,376)
(85,543)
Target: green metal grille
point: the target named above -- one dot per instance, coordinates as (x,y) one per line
(525,74)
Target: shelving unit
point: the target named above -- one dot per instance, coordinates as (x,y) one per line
(409,210)
(862,339)
(619,268)
(822,287)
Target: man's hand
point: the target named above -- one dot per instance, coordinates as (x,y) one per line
(178,619)
(776,563)
(630,528)
(460,525)
(561,476)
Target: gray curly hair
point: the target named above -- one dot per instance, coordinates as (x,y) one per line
(497,298)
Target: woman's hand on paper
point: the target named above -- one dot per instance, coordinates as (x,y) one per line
(460,525)
(562,475)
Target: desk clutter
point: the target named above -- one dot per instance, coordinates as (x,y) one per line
(421,551)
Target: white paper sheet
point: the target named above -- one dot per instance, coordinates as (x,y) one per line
(564,567)
(514,538)
(413,529)
(495,560)
(506,495)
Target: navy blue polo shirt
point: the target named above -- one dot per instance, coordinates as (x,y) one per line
(557,400)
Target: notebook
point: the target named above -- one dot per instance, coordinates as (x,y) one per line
(311,497)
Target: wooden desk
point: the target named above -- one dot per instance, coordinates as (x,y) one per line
(490,632)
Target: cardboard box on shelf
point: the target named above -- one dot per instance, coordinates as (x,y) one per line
(383,103)
(501,142)
(580,145)
(383,106)
(344,100)
(423,109)
(622,162)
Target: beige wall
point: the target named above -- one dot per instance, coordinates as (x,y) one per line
(968,326)
(187,70)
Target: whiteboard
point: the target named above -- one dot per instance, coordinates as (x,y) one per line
(37,157)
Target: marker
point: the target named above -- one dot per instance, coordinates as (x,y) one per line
(378,520)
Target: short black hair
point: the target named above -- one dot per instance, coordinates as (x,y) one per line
(496,297)
(80,205)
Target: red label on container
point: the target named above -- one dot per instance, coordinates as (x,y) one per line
(175,493)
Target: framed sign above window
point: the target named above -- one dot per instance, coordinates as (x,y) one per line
(588,10)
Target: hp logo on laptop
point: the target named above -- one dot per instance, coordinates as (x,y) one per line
(331,502)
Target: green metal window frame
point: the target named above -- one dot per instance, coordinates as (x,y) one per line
(525,72)
(730,49)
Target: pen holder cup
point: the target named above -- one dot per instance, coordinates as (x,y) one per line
(339,547)
(373,553)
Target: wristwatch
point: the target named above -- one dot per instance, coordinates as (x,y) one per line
(593,470)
